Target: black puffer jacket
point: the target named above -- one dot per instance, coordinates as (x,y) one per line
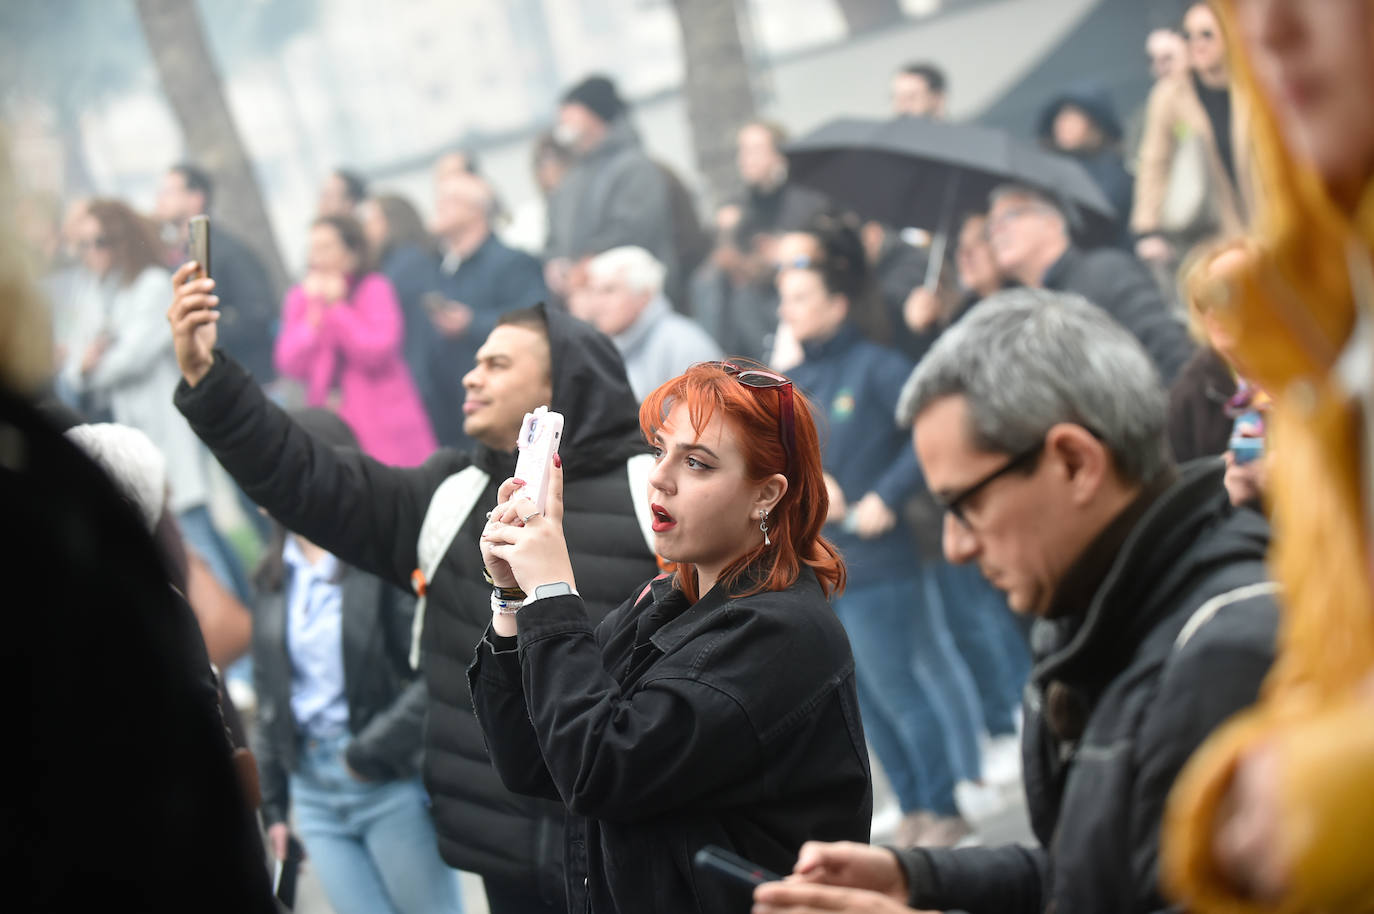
(369,515)
(1176,635)
(386,698)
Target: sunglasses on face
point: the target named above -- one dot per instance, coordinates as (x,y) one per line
(758,379)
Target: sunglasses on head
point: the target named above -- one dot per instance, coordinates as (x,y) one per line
(759,379)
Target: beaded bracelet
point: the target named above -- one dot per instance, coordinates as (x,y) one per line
(503,606)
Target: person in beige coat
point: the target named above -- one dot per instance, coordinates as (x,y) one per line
(1189,115)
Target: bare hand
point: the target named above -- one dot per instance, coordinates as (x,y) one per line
(1244,482)
(1154,249)
(93,353)
(921,309)
(856,866)
(728,218)
(872,517)
(838,506)
(1247,842)
(193,318)
(453,319)
(529,543)
(793,897)
(279,836)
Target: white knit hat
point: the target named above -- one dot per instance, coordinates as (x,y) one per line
(130,458)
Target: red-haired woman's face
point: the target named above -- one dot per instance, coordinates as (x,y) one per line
(706,509)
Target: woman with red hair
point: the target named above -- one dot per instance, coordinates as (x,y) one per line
(716,705)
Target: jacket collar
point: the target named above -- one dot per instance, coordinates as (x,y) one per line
(843,340)
(633,336)
(1129,597)
(1058,272)
(691,619)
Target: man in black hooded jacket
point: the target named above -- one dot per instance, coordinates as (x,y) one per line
(370,515)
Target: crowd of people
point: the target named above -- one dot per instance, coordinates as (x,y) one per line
(1000,525)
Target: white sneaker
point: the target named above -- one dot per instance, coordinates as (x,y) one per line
(1002,760)
(980,803)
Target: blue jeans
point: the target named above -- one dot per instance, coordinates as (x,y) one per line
(989,640)
(372,844)
(916,695)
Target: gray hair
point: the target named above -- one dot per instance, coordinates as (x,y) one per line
(1026,360)
(640,270)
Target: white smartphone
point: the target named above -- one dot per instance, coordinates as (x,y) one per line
(539,436)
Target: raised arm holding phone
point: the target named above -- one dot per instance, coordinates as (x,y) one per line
(714,707)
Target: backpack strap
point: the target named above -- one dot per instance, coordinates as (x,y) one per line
(448,510)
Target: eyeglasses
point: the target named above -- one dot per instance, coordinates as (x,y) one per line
(955,503)
(767,380)
(998,222)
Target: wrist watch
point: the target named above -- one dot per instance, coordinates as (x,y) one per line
(556,589)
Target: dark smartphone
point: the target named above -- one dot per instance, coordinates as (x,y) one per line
(198,245)
(284,880)
(722,864)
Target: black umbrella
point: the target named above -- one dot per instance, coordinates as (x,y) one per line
(912,171)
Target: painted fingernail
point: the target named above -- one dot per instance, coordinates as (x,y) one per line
(558,461)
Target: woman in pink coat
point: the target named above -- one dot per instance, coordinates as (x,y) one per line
(342,336)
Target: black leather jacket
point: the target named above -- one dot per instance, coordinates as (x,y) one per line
(386,699)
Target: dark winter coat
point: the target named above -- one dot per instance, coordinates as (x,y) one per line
(121,781)
(386,698)
(1169,631)
(369,515)
(1198,424)
(1121,285)
(668,727)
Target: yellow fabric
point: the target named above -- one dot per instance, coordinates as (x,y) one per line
(1293,310)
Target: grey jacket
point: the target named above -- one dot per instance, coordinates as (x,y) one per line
(614,195)
(138,373)
(661,344)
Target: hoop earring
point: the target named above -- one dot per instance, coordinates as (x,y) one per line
(763,525)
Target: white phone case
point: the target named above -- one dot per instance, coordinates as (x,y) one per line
(540,434)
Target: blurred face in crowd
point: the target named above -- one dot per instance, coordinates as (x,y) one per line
(374,225)
(911,94)
(1026,527)
(974,260)
(328,253)
(512,376)
(175,202)
(334,199)
(1075,131)
(1167,52)
(614,305)
(1206,52)
(93,245)
(578,128)
(808,309)
(462,202)
(451,163)
(760,162)
(1315,63)
(705,505)
(1022,229)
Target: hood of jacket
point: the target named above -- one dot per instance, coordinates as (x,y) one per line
(591,390)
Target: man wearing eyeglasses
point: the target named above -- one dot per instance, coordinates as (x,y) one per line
(1039,424)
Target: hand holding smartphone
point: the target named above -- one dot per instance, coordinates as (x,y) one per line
(540,434)
(733,868)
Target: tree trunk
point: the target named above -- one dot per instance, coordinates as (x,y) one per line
(862,16)
(720,96)
(194,89)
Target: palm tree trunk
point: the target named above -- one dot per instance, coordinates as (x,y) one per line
(720,96)
(195,91)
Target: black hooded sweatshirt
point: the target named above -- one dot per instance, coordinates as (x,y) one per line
(369,515)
